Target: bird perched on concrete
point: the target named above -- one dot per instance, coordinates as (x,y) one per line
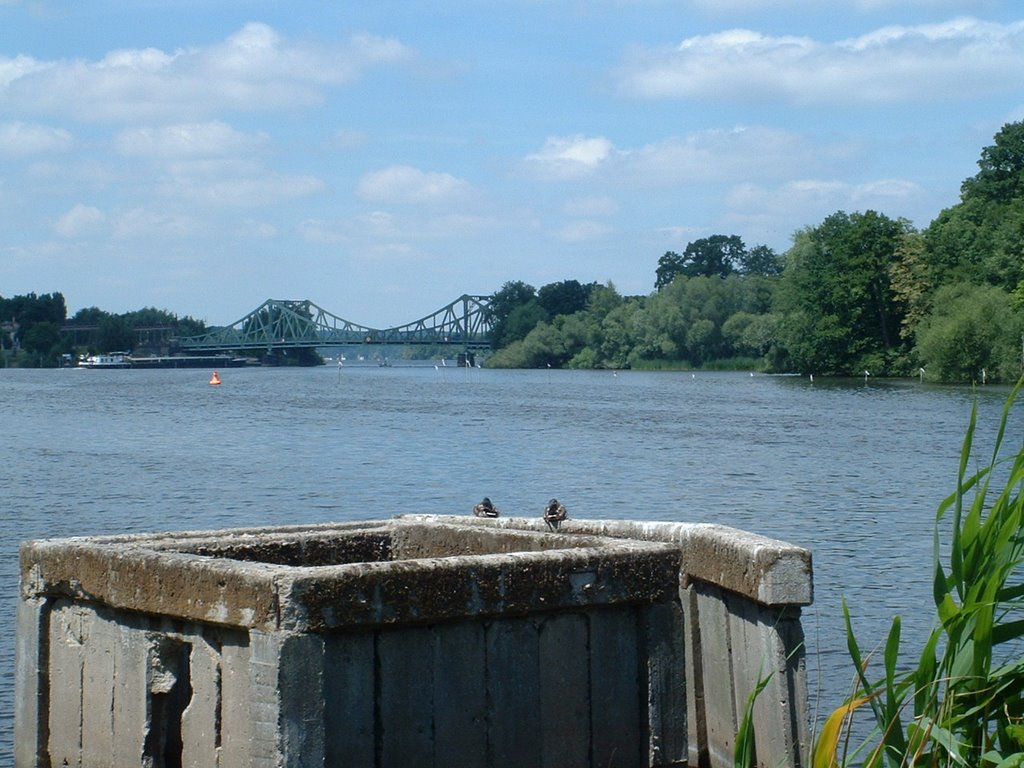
(486,509)
(554,513)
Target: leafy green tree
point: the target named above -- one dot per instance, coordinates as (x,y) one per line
(603,328)
(502,304)
(586,359)
(981,239)
(617,339)
(564,298)
(546,346)
(551,345)
(510,356)
(150,316)
(42,340)
(750,335)
(702,340)
(1000,177)
(759,260)
(189,326)
(603,299)
(115,335)
(1017,298)
(757,293)
(89,316)
(971,328)
(911,279)
(669,266)
(648,328)
(814,343)
(837,296)
(956,245)
(574,330)
(978,241)
(718,255)
(521,320)
(760,337)
(683,323)
(29,309)
(1006,263)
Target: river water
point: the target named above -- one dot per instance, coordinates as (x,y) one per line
(853,470)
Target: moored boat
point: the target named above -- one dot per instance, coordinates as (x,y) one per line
(110,360)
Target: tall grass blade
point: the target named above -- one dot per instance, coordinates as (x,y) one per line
(893,738)
(745,753)
(827,747)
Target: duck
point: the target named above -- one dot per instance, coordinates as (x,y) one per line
(554,513)
(486,509)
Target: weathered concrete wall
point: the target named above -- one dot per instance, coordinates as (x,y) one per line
(741,596)
(274,648)
(131,690)
(420,641)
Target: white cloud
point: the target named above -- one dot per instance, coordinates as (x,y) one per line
(18,67)
(19,139)
(405,184)
(80,220)
(569,157)
(702,157)
(256,69)
(952,60)
(186,140)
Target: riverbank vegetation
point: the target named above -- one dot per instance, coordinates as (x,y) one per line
(857,292)
(963,701)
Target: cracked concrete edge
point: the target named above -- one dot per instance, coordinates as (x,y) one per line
(480,573)
(769,571)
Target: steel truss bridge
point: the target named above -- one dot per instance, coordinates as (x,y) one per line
(282,324)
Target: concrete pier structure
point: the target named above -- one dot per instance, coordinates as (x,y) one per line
(741,595)
(422,640)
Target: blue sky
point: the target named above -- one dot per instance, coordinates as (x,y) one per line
(382,158)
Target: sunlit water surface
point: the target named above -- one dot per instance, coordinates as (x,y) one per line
(853,470)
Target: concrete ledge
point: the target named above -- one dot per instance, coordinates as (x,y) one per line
(336,577)
(768,571)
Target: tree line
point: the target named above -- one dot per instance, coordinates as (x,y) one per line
(35,330)
(858,292)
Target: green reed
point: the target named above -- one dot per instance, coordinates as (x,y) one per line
(963,703)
